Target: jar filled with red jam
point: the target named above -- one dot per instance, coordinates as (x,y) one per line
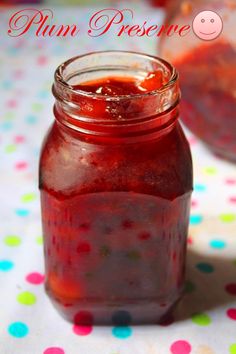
(115,181)
(206,61)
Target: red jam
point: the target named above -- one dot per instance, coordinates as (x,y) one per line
(115,212)
(208,85)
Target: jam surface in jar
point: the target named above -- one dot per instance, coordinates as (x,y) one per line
(208,104)
(115,213)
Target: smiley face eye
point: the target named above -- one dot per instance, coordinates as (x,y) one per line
(202,20)
(212,20)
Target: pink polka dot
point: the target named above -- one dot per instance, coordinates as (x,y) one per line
(231,288)
(82,330)
(231,313)
(21,165)
(189,240)
(194,203)
(19,139)
(230,181)
(12,103)
(35,278)
(232,199)
(42,60)
(180,347)
(18,74)
(54,350)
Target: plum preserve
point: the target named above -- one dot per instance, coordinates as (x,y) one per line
(116,182)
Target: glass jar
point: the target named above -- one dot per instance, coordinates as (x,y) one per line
(115,181)
(207,68)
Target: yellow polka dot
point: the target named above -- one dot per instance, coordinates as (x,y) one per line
(29,197)
(210,170)
(26,298)
(12,240)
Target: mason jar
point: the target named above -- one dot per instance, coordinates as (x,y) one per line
(115,181)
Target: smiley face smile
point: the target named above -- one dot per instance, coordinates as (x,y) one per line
(207,25)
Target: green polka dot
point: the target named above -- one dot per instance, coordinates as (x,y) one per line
(234,262)
(26,298)
(201,319)
(228,217)
(10,148)
(189,287)
(39,240)
(29,197)
(37,107)
(210,170)
(12,240)
(232,349)
(9,115)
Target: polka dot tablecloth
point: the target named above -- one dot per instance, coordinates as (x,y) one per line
(205,320)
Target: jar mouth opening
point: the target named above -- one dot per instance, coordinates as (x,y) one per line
(64,74)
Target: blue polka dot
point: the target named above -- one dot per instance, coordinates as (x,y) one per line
(31,119)
(43,94)
(122,332)
(205,267)
(6,265)
(7,84)
(199,187)
(217,244)
(195,219)
(18,329)
(6,125)
(22,212)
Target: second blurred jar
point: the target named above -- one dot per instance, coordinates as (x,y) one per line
(207,70)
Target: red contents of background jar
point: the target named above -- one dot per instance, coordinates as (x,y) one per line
(115,215)
(208,101)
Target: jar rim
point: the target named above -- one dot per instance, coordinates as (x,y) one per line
(60,79)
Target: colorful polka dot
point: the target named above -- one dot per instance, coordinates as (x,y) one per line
(39,240)
(231,313)
(195,219)
(35,278)
(82,330)
(199,187)
(6,265)
(121,318)
(19,139)
(29,197)
(18,329)
(228,217)
(12,240)
(210,170)
(26,298)
(232,199)
(22,212)
(201,319)
(205,267)
(21,165)
(54,350)
(230,181)
(6,126)
(231,288)
(122,332)
(181,347)
(232,349)
(31,119)
(10,148)
(37,107)
(189,287)
(217,244)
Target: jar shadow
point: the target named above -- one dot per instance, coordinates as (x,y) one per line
(207,277)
